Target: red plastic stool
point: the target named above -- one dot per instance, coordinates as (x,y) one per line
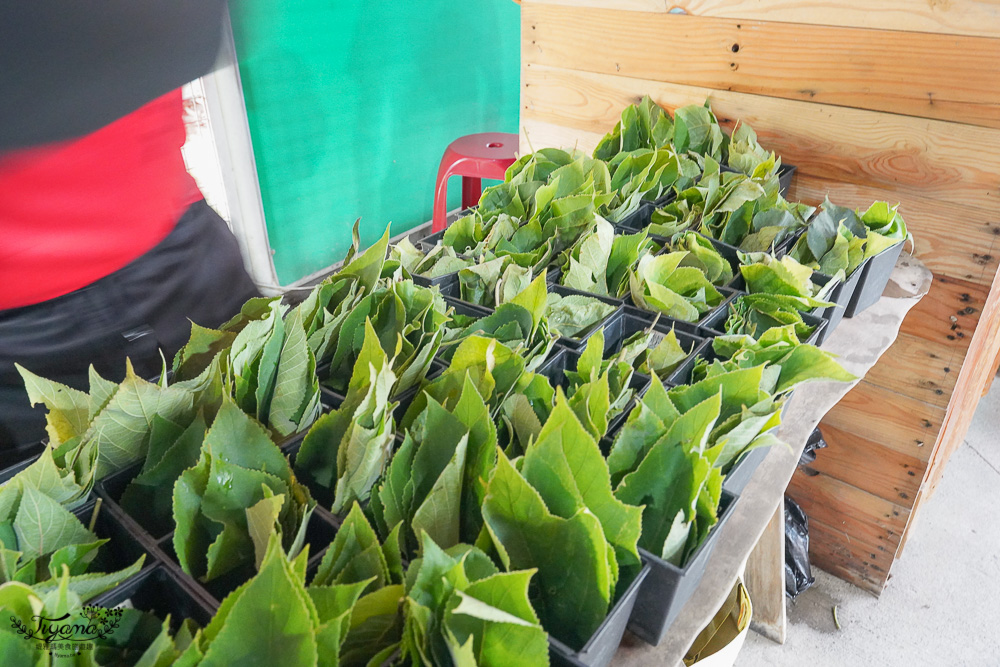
(473,157)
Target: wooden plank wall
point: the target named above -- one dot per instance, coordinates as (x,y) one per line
(897,101)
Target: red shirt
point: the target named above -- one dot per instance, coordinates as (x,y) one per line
(74,212)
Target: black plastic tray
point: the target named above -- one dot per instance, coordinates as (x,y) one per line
(667,588)
(159,592)
(18,459)
(713,326)
(841,296)
(743,469)
(603,644)
(728,294)
(319,534)
(876,274)
(632,321)
(123,548)
(565,359)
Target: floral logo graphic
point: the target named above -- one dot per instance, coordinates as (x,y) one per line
(89,623)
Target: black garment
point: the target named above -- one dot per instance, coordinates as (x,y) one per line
(70,68)
(195,274)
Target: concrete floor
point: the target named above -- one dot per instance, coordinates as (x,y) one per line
(942,605)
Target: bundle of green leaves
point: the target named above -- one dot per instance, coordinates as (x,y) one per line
(661,284)
(460,610)
(357,557)
(40,540)
(93,435)
(436,482)
(671,452)
(240,491)
(645,175)
(327,306)
(271,371)
(790,362)
(839,239)
(492,282)
(754,314)
(661,459)
(542,208)
(650,352)
(765,274)
(642,126)
(592,371)
(885,226)
(553,510)
(173,448)
(745,154)
(703,256)
(439,261)
(565,314)
(707,206)
(600,261)
(697,131)
(347,449)
(357,561)
(574,315)
(409,321)
(492,367)
(275,619)
(521,323)
(746,211)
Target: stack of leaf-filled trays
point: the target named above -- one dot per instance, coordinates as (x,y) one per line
(158,540)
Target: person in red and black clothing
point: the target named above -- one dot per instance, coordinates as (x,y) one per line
(107,248)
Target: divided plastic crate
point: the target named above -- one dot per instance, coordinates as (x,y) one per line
(578,340)
(667,588)
(728,294)
(123,548)
(566,360)
(714,325)
(319,534)
(875,276)
(604,643)
(633,321)
(159,592)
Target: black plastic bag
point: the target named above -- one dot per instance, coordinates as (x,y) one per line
(798,574)
(814,442)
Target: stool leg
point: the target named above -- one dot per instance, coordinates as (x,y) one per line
(472,190)
(440,219)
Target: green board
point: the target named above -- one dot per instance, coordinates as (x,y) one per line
(351,105)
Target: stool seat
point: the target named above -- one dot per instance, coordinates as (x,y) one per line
(473,157)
